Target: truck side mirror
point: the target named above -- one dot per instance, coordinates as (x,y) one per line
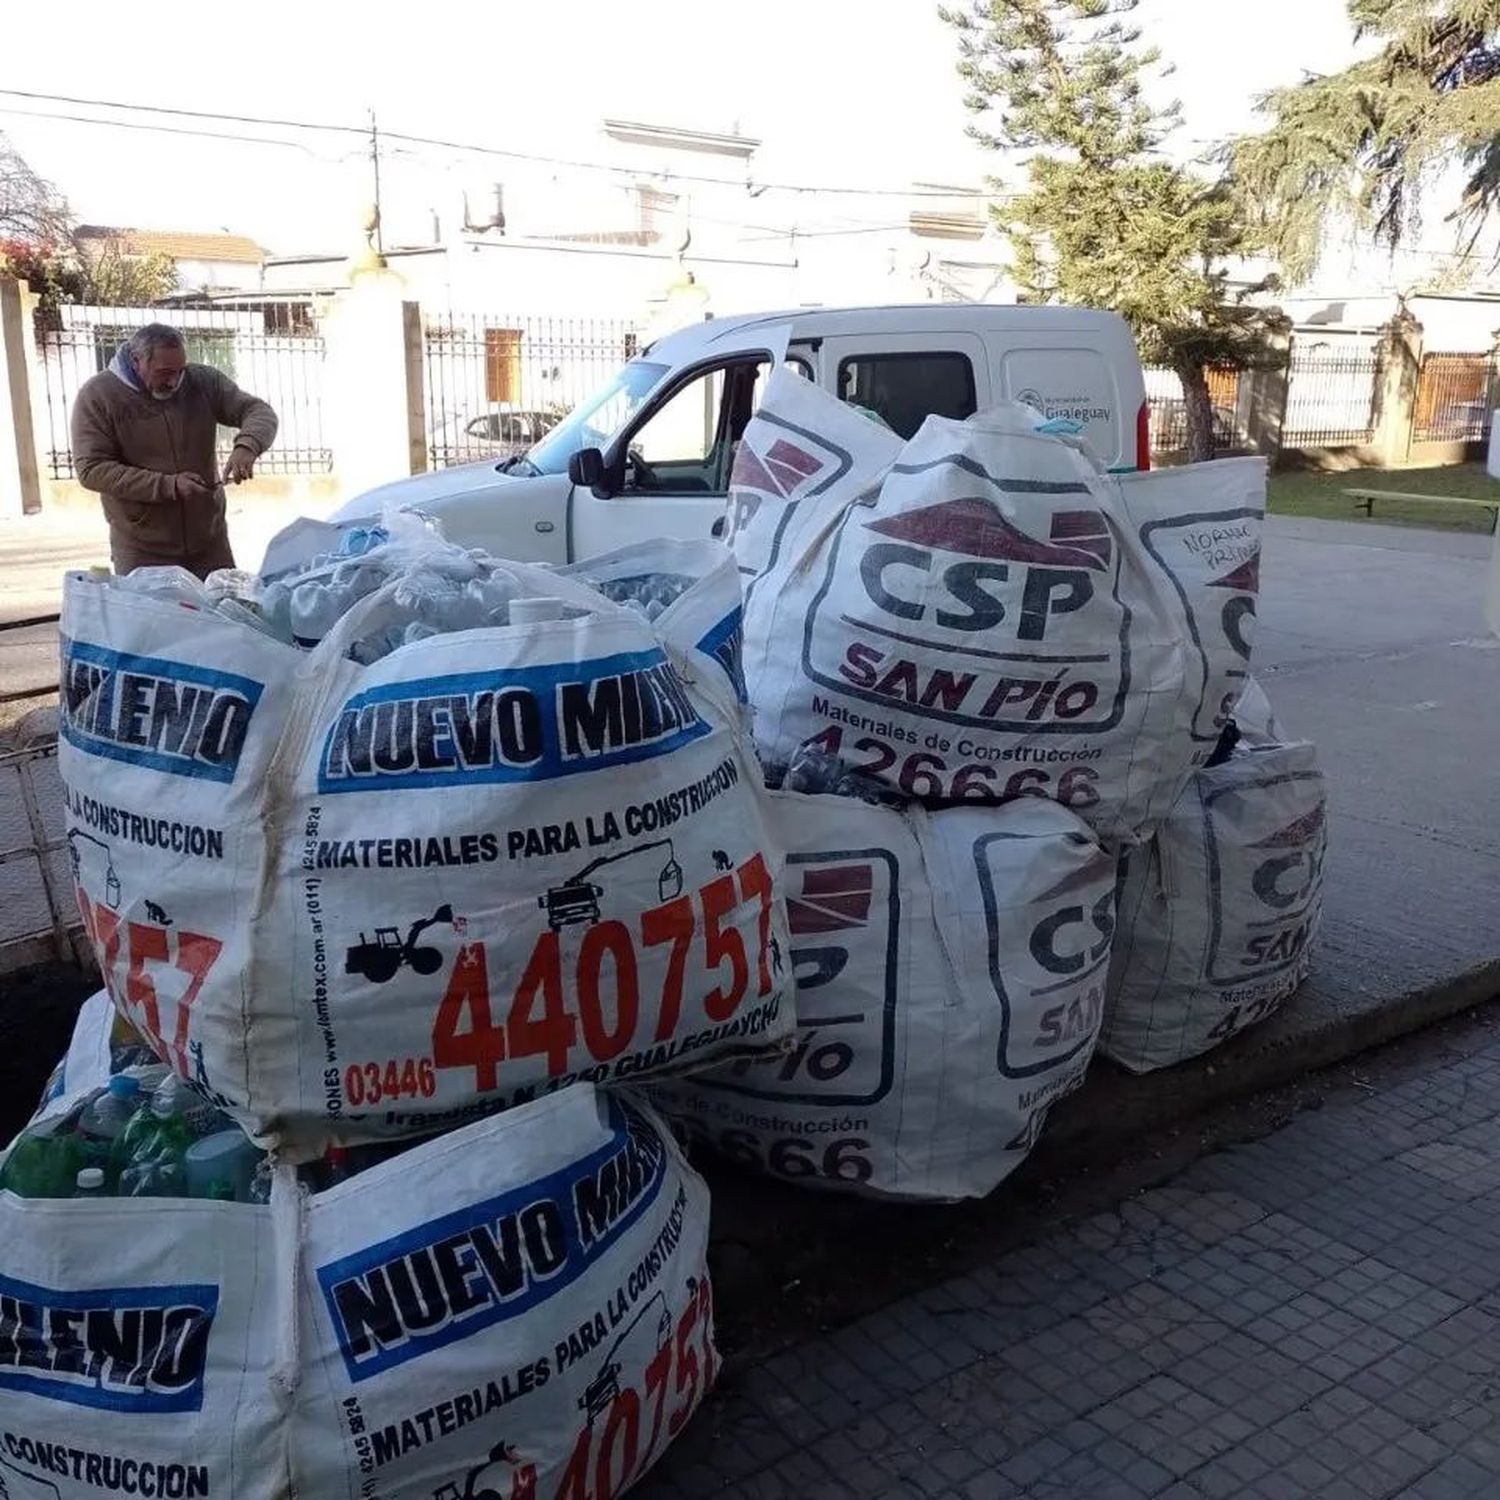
(586,468)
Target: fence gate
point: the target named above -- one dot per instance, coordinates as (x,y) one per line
(497,382)
(270,349)
(1455,393)
(1331,398)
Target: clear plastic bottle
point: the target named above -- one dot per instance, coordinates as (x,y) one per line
(104,1121)
(315,609)
(275,605)
(181,1099)
(260,1183)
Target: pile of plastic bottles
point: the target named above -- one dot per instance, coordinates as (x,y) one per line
(650,594)
(145,1135)
(433,589)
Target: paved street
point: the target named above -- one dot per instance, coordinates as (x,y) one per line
(1371,642)
(1314,1314)
(35,551)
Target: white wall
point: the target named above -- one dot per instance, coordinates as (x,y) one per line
(217,275)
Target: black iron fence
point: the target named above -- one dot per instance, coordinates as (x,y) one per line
(270,350)
(1331,397)
(1455,395)
(495,383)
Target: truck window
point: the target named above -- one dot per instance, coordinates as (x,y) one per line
(903,389)
(686,446)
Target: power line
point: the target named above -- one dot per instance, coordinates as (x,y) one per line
(472,148)
(202,135)
(187,114)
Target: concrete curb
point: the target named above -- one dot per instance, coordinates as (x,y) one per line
(1316,1028)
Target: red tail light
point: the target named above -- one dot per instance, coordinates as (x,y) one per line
(1143,436)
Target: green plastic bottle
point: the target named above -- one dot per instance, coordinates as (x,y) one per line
(44,1162)
(153,1152)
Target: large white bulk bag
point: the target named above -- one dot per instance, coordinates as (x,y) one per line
(512,1308)
(802,458)
(139,1343)
(983,625)
(1219,912)
(1201,526)
(352,901)
(950,976)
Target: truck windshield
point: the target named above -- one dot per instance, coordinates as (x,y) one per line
(594,423)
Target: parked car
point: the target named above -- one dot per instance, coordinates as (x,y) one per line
(498,433)
(649,454)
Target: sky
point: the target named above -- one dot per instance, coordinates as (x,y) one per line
(856,92)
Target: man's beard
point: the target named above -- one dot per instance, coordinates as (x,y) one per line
(165,395)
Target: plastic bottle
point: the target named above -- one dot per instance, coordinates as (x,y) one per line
(418,630)
(153,1179)
(221,1165)
(260,1183)
(275,604)
(181,1099)
(535,611)
(102,1125)
(90,1183)
(155,1148)
(45,1161)
(426,598)
(315,609)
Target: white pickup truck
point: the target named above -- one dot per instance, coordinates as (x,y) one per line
(650,453)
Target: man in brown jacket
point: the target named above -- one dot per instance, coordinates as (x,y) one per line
(143,437)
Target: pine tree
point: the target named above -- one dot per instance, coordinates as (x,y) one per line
(1103,219)
(1357,144)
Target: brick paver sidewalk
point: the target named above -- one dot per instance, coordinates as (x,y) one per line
(1316,1314)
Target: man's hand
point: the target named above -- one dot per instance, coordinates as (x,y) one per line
(241,465)
(193,489)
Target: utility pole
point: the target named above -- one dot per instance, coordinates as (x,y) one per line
(375,164)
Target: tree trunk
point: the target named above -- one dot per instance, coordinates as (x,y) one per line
(1199,409)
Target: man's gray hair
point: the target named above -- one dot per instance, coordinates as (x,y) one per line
(144,342)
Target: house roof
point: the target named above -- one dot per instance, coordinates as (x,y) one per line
(178,244)
(639,133)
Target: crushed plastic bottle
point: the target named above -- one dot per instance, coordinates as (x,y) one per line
(181,1099)
(260,1182)
(155,1148)
(315,609)
(817,771)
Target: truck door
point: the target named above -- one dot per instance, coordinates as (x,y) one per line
(668,474)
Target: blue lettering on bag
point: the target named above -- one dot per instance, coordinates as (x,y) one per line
(129,1349)
(490,1261)
(509,725)
(170,716)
